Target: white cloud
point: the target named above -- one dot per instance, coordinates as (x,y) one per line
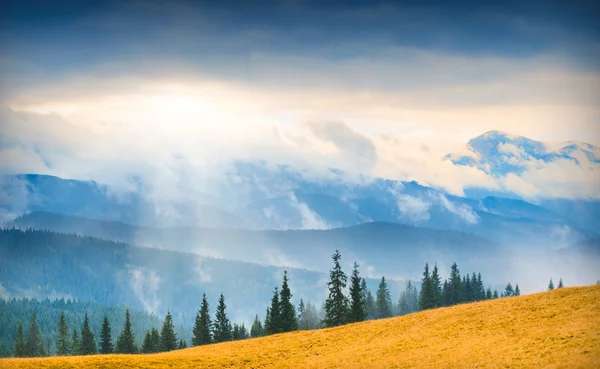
(413,208)
(144,284)
(465,212)
(310,219)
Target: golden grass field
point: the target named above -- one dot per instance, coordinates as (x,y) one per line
(557,329)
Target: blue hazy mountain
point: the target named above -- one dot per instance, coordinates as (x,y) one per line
(262,195)
(308,204)
(499,153)
(389,248)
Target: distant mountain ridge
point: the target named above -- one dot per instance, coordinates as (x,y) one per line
(389,247)
(498,153)
(263,195)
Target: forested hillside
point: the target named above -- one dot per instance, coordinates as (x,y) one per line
(13,312)
(393,249)
(91,269)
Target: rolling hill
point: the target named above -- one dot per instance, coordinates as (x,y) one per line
(393,250)
(559,329)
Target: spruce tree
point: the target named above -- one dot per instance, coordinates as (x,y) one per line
(446,297)
(383,301)
(168,337)
(155,340)
(336,305)
(301,315)
(495,294)
(257,329)
(550,285)
(409,300)
(106,345)
(358,311)
(182,344)
(88,342)
(20,342)
(427,296)
(202,325)
(267,326)
(273,326)
(33,346)
(560,283)
(509,291)
(480,288)
(455,286)
(75,343)
(147,346)
(62,339)
(517,290)
(222,326)
(437,287)
(126,340)
(467,290)
(488,293)
(288,321)
(368,299)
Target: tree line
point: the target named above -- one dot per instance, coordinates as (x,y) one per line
(281,316)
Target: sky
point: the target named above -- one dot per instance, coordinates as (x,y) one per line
(106,90)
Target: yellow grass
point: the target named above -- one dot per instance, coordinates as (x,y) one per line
(558,329)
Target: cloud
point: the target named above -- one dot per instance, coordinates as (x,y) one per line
(309,219)
(204,274)
(413,208)
(350,146)
(3,293)
(144,284)
(14,198)
(464,211)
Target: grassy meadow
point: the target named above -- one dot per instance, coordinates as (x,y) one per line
(556,329)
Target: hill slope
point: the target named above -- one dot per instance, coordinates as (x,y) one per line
(555,329)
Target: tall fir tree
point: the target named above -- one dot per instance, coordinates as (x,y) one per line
(75,343)
(126,340)
(222,326)
(33,346)
(495,295)
(480,288)
(288,321)
(257,328)
(88,342)
(488,293)
(517,290)
(147,347)
(437,286)
(273,321)
(106,345)
(336,305)
(168,337)
(182,344)
(155,340)
(550,285)
(62,339)
(409,300)
(508,290)
(301,315)
(20,342)
(383,301)
(267,325)
(427,295)
(202,325)
(467,290)
(357,311)
(455,286)
(368,299)
(560,283)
